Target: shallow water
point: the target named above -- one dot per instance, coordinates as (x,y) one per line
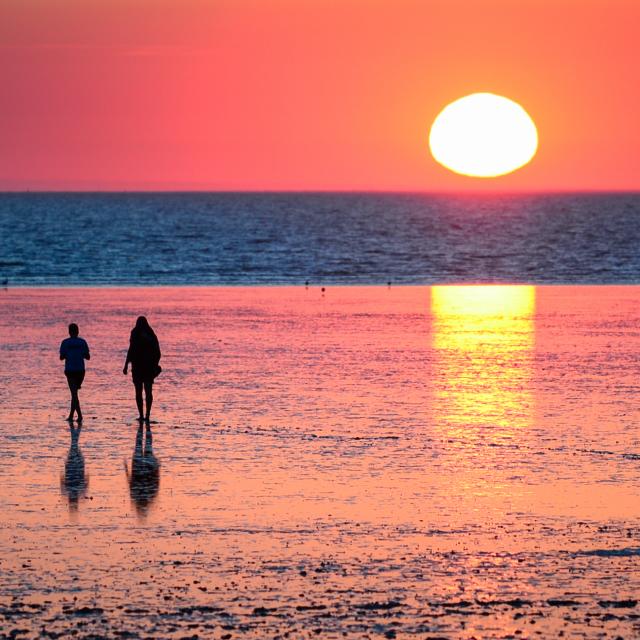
(382,462)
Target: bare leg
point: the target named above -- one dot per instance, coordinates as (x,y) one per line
(138,386)
(75,403)
(148,392)
(72,408)
(76,400)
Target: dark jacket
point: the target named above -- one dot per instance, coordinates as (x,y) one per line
(143,354)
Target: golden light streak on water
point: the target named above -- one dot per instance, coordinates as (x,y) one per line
(483,338)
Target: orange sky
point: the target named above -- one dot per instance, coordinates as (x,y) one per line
(308,94)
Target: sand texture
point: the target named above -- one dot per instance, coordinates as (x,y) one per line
(444,462)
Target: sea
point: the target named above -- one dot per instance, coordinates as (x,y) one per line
(70,239)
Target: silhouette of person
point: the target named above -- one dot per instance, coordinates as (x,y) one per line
(144,479)
(144,356)
(74,351)
(74,482)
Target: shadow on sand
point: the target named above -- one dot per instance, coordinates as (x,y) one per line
(74,481)
(144,477)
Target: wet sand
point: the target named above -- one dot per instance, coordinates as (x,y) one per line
(447,462)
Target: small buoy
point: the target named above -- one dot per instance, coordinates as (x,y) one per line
(322,289)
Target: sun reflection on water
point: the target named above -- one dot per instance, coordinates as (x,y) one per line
(483,338)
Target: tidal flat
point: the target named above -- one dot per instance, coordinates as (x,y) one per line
(381,462)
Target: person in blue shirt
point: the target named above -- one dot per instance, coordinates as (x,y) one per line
(74,351)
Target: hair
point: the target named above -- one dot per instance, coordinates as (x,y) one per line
(143,326)
(73,330)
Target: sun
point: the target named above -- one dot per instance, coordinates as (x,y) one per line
(483,135)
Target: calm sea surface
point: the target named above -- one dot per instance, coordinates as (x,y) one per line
(179,239)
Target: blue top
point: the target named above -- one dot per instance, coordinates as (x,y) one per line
(74,351)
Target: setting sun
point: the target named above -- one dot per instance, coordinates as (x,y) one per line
(483,135)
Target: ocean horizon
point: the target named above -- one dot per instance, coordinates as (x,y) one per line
(323,238)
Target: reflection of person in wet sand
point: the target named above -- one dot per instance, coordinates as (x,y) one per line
(74,482)
(144,356)
(144,478)
(74,351)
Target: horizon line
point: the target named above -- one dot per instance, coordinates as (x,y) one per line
(448,192)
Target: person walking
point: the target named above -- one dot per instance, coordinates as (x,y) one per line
(74,350)
(144,357)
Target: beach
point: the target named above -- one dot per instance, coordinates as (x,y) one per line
(363,461)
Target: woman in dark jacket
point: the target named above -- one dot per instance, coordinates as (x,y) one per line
(144,356)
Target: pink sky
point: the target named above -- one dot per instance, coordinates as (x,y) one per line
(308,94)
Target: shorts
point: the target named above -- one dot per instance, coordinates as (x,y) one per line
(75,379)
(142,377)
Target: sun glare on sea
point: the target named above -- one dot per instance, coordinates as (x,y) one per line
(483,135)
